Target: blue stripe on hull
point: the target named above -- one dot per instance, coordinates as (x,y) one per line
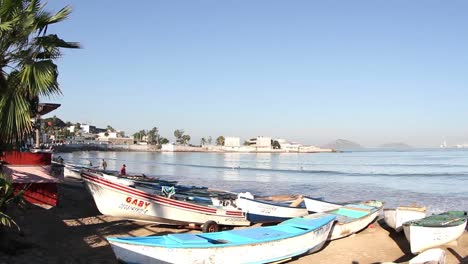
(256,218)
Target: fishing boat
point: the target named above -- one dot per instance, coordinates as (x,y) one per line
(72,171)
(291,238)
(314,205)
(395,217)
(432,256)
(435,230)
(119,200)
(167,188)
(268,211)
(132,179)
(352,218)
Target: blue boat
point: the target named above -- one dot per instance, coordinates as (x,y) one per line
(294,237)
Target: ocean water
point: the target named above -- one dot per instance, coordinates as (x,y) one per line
(437,179)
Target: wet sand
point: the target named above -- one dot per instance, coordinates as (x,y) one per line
(74,232)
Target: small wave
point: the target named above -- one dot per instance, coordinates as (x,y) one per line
(420,165)
(326,172)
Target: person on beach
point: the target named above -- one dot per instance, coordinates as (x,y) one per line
(90,164)
(123,171)
(104,164)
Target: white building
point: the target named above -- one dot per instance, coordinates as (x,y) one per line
(288,146)
(261,143)
(232,142)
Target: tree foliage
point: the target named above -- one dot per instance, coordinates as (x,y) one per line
(275,144)
(153,136)
(8,196)
(27,68)
(181,138)
(220,141)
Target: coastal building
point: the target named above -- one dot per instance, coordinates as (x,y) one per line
(261,143)
(233,142)
(288,146)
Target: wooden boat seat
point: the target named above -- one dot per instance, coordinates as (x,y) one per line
(297,202)
(412,208)
(357,209)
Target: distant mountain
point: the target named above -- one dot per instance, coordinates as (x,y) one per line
(395,145)
(343,144)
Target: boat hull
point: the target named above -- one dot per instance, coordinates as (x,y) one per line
(425,237)
(266,212)
(318,206)
(118,200)
(395,217)
(352,218)
(344,229)
(70,172)
(255,252)
(435,256)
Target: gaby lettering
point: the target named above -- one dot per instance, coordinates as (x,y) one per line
(136,202)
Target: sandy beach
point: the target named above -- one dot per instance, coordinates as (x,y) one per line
(75,232)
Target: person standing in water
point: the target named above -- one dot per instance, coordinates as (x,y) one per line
(123,171)
(104,164)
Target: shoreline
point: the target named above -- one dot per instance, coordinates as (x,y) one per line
(74,232)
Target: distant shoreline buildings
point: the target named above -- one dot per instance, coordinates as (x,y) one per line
(89,137)
(259,144)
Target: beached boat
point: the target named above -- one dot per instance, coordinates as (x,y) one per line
(133,179)
(123,201)
(395,217)
(264,211)
(435,230)
(430,256)
(352,218)
(167,188)
(72,171)
(291,238)
(314,205)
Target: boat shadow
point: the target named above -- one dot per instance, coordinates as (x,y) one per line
(72,232)
(400,240)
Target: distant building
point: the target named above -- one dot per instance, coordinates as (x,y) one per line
(168,147)
(288,146)
(232,142)
(89,129)
(261,143)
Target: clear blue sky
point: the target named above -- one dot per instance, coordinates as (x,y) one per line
(310,71)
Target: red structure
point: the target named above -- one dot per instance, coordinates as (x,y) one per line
(33,171)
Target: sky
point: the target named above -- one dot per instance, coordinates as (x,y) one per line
(372,72)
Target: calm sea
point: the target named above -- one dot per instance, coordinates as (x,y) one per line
(437,179)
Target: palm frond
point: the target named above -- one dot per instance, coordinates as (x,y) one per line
(6,220)
(15,118)
(53,41)
(40,78)
(61,15)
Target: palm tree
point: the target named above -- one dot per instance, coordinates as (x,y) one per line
(27,68)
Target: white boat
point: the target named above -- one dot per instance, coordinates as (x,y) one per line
(352,218)
(435,230)
(261,211)
(127,202)
(72,171)
(395,217)
(317,205)
(430,256)
(291,238)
